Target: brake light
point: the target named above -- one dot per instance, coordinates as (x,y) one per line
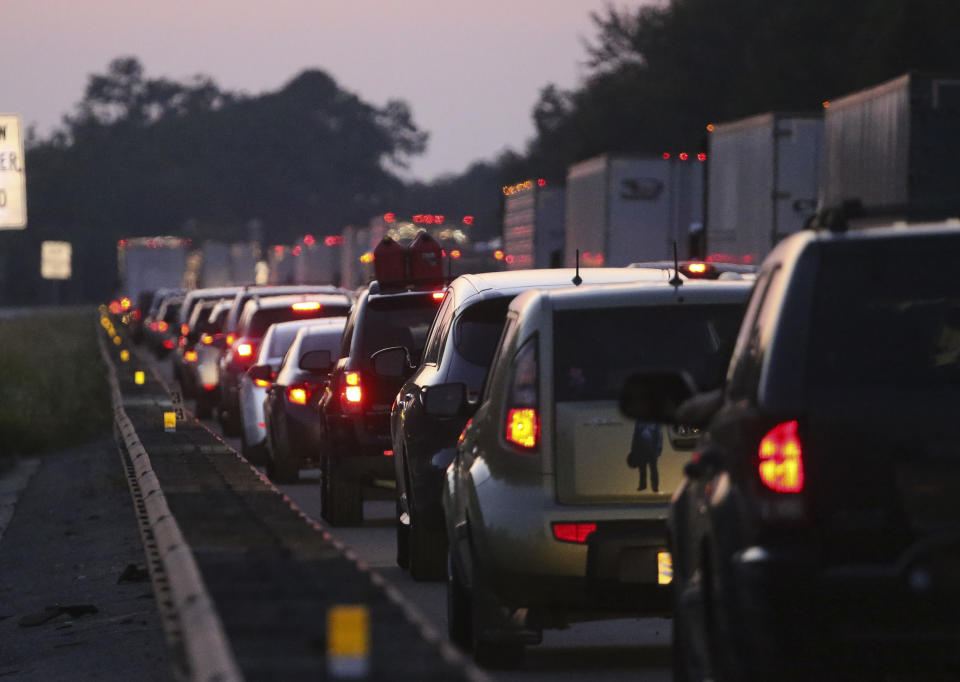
(244,350)
(206,339)
(697,268)
(162,326)
(522,426)
(306,305)
(169,344)
(184,330)
(573,532)
(230,339)
(438,295)
(781,459)
(298,395)
(209,387)
(124,303)
(190,355)
(262,383)
(353,393)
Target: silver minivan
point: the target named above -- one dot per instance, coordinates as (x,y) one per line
(556,504)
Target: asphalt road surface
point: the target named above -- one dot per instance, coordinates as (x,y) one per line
(623,649)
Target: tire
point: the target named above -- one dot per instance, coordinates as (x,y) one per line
(344,503)
(427,550)
(459,608)
(403,541)
(204,407)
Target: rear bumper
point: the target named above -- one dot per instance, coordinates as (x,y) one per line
(359,442)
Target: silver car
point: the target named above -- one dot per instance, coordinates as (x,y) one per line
(253,432)
(556,504)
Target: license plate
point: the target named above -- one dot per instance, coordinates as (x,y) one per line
(664,568)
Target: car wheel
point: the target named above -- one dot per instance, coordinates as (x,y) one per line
(403,541)
(428,550)
(459,608)
(485,614)
(204,407)
(344,500)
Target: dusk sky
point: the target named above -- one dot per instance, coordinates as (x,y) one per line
(471,71)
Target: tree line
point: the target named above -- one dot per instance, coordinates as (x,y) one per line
(141,155)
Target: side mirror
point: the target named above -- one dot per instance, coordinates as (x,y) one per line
(444,400)
(261,373)
(316,361)
(391,362)
(655,395)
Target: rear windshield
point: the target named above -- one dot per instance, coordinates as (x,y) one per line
(280,341)
(262,319)
(596,350)
(396,321)
(886,314)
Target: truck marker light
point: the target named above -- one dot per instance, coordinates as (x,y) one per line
(781,459)
(573,532)
(523,427)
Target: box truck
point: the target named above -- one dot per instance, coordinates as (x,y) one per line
(151,263)
(894,148)
(533,228)
(762,182)
(622,210)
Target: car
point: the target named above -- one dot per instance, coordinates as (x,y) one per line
(291,402)
(816,532)
(357,453)
(197,329)
(204,374)
(551,513)
(254,385)
(161,334)
(242,337)
(192,299)
(459,348)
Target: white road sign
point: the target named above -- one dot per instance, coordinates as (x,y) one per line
(55,260)
(13,183)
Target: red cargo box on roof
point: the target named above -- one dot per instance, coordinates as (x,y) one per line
(390,262)
(426,260)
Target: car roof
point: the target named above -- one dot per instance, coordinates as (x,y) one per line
(639,293)
(799,241)
(289,299)
(553,277)
(319,322)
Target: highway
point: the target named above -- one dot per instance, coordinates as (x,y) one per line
(621,649)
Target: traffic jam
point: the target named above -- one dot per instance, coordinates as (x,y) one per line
(742,456)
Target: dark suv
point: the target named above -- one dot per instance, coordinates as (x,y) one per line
(818,532)
(357,452)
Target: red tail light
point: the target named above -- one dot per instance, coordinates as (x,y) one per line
(351,393)
(162,326)
(781,459)
(244,352)
(169,344)
(154,326)
(209,387)
(230,339)
(573,532)
(522,427)
(206,339)
(124,303)
(184,330)
(190,355)
(301,394)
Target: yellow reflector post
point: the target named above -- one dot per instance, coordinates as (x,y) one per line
(664,568)
(169,421)
(124,355)
(117,340)
(139,377)
(348,641)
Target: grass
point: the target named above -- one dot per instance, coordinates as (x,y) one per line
(53,387)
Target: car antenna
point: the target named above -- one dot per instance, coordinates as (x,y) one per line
(676,281)
(577,279)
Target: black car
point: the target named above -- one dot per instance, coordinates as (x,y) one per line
(290,406)
(817,533)
(357,452)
